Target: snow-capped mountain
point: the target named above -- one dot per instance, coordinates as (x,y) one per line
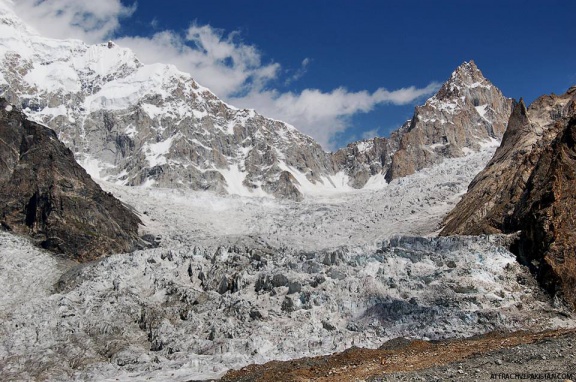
(151,124)
(137,124)
(467,114)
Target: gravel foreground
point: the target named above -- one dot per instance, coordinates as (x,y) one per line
(545,356)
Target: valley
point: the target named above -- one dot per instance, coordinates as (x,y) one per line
(153,232)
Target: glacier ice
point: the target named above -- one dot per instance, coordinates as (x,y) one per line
(240,280)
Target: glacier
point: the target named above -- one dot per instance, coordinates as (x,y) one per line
(341,257)
(238,280)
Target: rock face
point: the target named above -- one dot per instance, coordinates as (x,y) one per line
(546,215)
(368,158)
(467,112)
(528,186)
(45,194)
(136,124)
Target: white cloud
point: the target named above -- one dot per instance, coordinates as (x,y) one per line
(370,134)
(323,115)
(215,60)
(91,21)
(232,69)
(300,72)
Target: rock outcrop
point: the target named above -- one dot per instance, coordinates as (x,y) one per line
(528,186)
(364,159)
(467,112)
(45,194)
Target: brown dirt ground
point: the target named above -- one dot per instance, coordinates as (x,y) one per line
(404,360)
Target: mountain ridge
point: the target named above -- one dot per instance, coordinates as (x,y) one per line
(152,125)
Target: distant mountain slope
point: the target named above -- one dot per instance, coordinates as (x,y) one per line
(138,124)
(528,186)
(45,194)
(466,113)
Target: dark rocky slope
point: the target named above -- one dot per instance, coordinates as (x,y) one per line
(45,194)
(528,186)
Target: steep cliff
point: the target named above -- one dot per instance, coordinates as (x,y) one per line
(496,190)
(45,194)
(528,186)
(466,113)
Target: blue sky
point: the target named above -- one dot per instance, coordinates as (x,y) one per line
(338,70)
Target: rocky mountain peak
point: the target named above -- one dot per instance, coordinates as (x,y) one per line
(467,73)
(466,84)
(467,76)
(466,114)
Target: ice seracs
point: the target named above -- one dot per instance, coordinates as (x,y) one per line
(192,312)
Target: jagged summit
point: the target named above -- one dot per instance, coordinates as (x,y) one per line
(467,113)
(462,83)
(467,73)
(152,125)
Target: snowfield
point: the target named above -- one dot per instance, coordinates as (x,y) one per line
(413,205)
(239,280)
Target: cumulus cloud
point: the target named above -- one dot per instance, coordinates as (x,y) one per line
(217,61)
(91,21)
(232,69)
(323,115)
